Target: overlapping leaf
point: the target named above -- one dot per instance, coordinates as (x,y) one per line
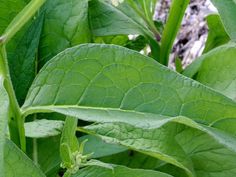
(4,113)
(65,25)
(106,83)
(109,20)
(119,171)
(211,151)
(18,164)
(227,11)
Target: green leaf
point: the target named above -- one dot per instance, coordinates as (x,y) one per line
(217,35)
(121,20)
(119,171)
(107,83)
(43,128)
(63,30)
(210,157)
(48,151)
(217,70)
(192,70)
(208,148)
(18,164)
(171,28)
(99,148)
(22,57)
(227,11)
(133,159)
(110,83)
(4,114)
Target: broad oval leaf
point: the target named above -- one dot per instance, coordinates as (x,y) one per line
(106,82)
(119,171)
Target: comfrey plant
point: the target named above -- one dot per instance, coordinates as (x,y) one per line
(78,99)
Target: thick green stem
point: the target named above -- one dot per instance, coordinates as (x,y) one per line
(171,29)
(16,122)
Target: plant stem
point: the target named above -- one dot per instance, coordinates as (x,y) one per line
(22,18)
(16,122)
(171,29)
(149,22)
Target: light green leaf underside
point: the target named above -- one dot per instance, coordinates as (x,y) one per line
(93,82)
(4,113)
(119,171)
(227,11)
(17,164)
(63,30)
(211,151)
(43,128)
(99,148)
(109,20)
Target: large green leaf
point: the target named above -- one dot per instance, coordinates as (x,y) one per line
(18,164)
(4,114)
(110,20)
(217,35)
(107,83)
(110,83)
(119,171)
(212,151)
(227,11)
(63,30)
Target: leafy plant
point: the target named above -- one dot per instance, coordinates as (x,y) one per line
(98,109)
